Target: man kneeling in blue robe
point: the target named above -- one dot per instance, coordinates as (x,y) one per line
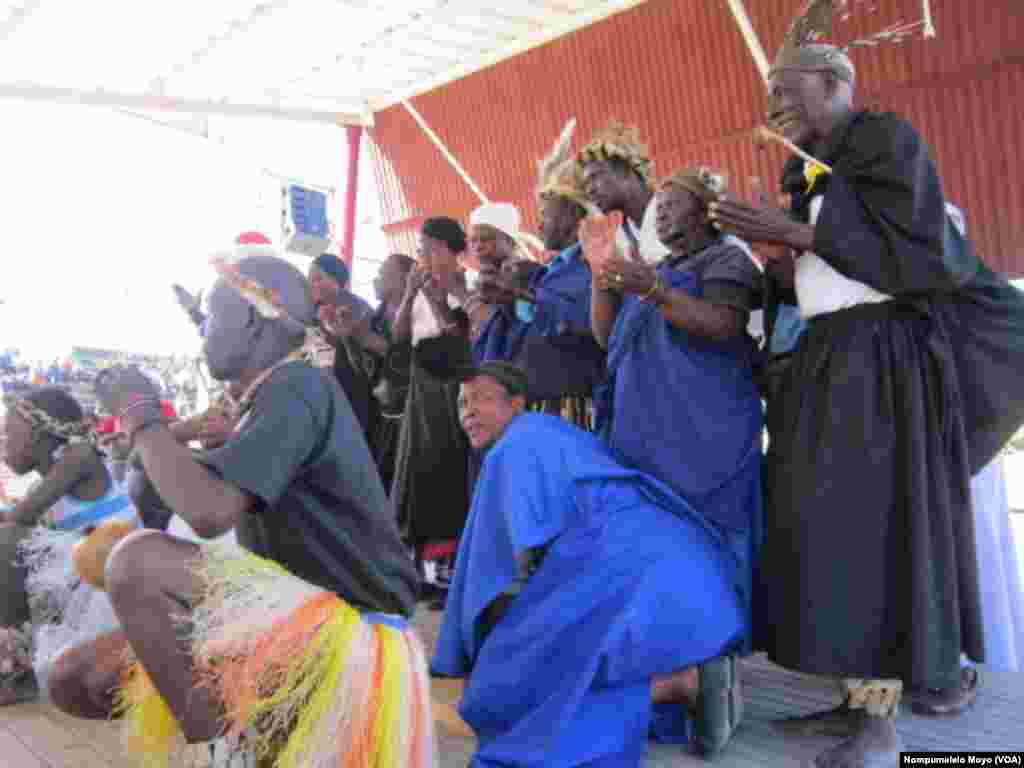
(585,595)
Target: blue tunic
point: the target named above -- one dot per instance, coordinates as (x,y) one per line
(563,294)
(501,337)
(686,410)
(634,584)
(559,353)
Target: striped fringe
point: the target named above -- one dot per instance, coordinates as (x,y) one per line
(149,730)
(308,680)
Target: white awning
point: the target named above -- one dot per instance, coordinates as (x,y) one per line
(335,61)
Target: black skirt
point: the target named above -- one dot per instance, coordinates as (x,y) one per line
(430,487)
(869,567)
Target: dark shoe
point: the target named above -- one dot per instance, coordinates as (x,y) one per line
(430,591)
(947,702)
(19,691)
(874,744)
(440,603)
(719,705)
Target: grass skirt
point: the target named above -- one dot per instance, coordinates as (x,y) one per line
(66,612)
(304,677)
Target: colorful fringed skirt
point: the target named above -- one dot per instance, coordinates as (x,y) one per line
(306,680)
(66,612)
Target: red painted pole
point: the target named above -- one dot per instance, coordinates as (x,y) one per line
(354,135)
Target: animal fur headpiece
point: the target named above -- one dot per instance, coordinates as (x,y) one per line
(805,47)
(623,142)
(706,183)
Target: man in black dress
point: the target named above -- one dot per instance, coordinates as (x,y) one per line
(870,572)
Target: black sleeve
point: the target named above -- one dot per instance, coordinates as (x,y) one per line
(883,219)
(732,280)
(443,356)
(278,436)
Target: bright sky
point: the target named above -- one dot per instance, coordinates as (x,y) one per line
(103,211)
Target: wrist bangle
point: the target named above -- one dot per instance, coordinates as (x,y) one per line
(655,289)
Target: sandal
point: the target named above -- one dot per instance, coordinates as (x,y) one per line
(719,705)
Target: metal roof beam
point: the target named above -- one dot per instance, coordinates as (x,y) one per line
(147,101)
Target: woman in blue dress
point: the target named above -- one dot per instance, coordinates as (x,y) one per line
(681,394)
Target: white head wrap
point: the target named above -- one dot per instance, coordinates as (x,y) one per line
(505,217)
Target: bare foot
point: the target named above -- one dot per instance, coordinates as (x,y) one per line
(446,694)
(682,687)
(874,744)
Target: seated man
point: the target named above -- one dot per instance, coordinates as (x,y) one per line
(299,465)
(584,594)
(48,433)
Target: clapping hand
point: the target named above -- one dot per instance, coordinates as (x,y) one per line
(618,274)
(435,292)
(216,430)
(343,322)
(597,236)
(418,277)
(128,394)
(761,222)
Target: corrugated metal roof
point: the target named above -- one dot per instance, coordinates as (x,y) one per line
(680,70)
(307,59)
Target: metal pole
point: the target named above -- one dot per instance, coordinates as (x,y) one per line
(739,13)
(929,24)
(354,134)
(444,151)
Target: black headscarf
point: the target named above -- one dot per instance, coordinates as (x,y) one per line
(447,230)
(334,267)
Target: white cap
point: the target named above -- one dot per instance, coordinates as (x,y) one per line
(504,217)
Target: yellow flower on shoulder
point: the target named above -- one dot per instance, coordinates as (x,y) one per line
(811,173)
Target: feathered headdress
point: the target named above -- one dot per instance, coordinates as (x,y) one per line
(623,142)
(706,183)
(805,46)
(559,173)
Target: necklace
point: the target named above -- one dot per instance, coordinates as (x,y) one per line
(244,403)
